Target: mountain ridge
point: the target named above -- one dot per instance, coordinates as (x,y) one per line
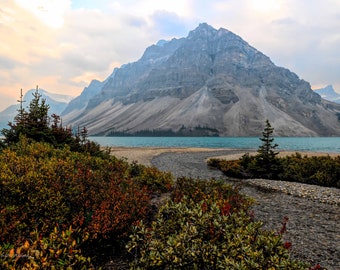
(328,93)
(211,80)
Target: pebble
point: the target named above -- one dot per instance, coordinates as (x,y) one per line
(312,192)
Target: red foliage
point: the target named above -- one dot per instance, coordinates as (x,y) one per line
(44,187)
(287,245)
(316,267)
(225,209)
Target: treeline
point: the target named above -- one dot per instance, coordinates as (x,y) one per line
(182,132)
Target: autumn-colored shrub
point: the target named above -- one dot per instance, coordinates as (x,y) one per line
(207,225)
(211,190)
(155,180)
(42,187)
(232,168)
(198,235)
(58,250)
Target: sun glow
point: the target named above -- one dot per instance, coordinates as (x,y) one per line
(265,6)
(50,12)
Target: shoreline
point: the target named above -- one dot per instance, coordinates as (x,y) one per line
(144,155)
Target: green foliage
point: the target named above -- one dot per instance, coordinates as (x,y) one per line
(315,170)
(58,250)
(265,163)
(266,151)
(322,170)
(191,235)
(206,225)
(34,124)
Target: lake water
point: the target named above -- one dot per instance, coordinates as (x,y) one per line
(318,144)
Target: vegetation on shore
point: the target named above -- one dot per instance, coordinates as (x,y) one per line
(316,170)
(65,204)
(182,132)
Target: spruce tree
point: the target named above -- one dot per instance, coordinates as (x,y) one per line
(267,163)
(18,126)
(34,123)
(38,119)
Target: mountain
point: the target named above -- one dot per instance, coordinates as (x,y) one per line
(210,83)
(57,104)
(328,93)
(77,105)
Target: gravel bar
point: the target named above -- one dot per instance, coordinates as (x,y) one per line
(313,212)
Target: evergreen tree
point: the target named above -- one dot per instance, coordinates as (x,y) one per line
(21,116)
(266,161)
(266,151)
(35,124)
(18,127)
(38,120)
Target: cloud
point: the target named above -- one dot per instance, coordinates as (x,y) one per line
(49,12)
(94,39)
(81,40)
(7,63)
(284,21)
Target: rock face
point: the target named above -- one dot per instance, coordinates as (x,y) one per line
(210,83)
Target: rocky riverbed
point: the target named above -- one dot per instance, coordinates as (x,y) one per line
(313,212)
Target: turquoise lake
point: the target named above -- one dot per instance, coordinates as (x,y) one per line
(318,144)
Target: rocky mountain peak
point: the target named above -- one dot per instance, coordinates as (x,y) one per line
(161,51)
(210,83)
(203,30)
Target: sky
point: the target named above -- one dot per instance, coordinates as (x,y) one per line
(61,45)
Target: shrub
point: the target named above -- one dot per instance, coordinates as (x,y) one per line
(152,178)
(211,190)
(232,168)
(59,250)
(322,170)
(42,187)
(191,235)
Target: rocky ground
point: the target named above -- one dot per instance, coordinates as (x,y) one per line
(313,212)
